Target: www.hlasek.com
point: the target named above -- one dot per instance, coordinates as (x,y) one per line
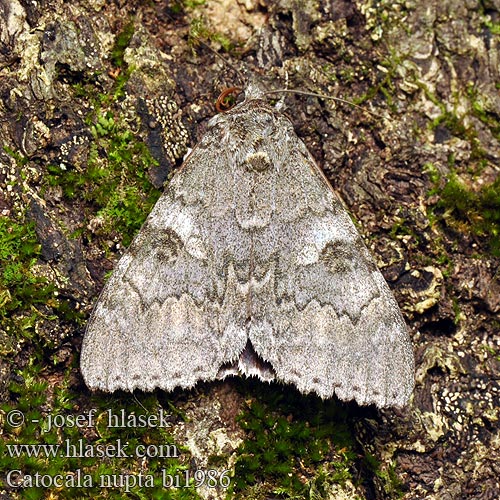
(117,449)
(15,478)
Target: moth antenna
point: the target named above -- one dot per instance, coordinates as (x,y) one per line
(323,96)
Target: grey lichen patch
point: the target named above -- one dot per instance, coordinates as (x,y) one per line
(304,14)
(150,102)
(168,115)
(227,21)
(426,290)
(209,433)
(431,70)
(435,426)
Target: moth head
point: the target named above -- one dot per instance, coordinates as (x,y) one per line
(254,90)
(233,96)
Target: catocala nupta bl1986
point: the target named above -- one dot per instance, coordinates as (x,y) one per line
(248,264)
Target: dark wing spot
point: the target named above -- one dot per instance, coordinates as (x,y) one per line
(339,257)
(168,245)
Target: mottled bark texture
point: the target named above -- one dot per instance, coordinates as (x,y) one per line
(84,85)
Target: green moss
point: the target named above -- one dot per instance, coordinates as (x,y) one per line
(199,31)
(49,413)
(21,290)
(468,211)
(389,481)
(122,41)
(478,109)
(18,157)
(456,310)
(290,439)
(115,180)
(453,124)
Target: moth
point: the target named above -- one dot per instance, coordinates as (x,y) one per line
(249,264)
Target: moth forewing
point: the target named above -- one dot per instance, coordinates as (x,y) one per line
(249,264)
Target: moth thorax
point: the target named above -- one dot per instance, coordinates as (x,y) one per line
(257,162)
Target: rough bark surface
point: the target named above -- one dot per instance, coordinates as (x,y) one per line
(427,75)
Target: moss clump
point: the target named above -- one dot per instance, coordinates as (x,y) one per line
(58,450)
(290,439)
(454,125)
(198,31)
(115,180)
(21,290)
(472,212)
(122,75)
(122,41)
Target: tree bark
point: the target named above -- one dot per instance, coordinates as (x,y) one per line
(100,103)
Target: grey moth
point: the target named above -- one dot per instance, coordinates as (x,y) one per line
(249,264)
